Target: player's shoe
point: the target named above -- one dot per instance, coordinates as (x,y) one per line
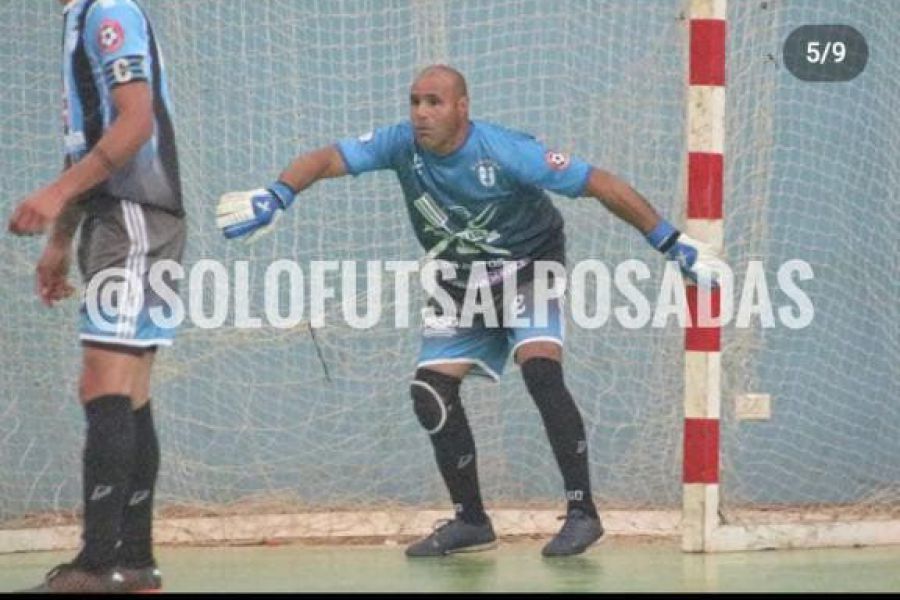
(455,535)
(71,578)
(145,579)
(578,532)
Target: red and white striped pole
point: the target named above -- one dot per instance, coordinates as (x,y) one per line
(702,390)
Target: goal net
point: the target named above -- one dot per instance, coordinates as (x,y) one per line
(248,420)
(812,174)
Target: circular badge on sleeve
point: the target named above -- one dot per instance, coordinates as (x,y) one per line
(110,36)
(557,160)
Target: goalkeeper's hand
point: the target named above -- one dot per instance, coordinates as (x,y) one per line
(251,215)
(700,262)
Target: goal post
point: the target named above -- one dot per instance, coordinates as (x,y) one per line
(716,517)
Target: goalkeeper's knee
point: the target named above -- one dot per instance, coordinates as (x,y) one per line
(435,399)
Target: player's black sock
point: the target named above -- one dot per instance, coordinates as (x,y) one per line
(438,407)
(136,550)
(108,457)
(564,427)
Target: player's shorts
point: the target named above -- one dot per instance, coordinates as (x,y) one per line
(120,242)
(488,348)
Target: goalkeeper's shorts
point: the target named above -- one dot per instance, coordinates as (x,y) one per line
(120,242)
(486,348)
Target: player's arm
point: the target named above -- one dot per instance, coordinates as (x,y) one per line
(131,129)
(695,258)
(52,272)
(66,224)
(324,163)
(251,214)
(622,200)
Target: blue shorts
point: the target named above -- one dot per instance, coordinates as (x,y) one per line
(120,241)
(488,348)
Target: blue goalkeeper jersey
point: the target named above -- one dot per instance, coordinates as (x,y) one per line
(483,202)
(107,43)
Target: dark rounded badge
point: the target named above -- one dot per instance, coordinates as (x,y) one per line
(825,53)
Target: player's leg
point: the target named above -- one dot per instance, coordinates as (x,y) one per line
(538,351)
(115,342)
(447,356)
(437,406)
(109,373)
(136,562)
(164,237)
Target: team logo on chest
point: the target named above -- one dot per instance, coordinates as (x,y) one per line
(486,170)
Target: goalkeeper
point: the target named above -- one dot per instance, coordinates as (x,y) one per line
(475,192)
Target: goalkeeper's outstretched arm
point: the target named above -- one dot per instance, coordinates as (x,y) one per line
(252,214)
(306,169)
(698,261)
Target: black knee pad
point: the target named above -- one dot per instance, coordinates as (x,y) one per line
(435,398)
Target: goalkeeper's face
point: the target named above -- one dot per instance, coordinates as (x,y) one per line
(439,113)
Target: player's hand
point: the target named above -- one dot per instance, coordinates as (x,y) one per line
(699,261)
(250,215)
(36,212)
(52,283)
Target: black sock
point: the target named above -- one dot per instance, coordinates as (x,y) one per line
(107,460)
(564,427)
(136,550)
(454,446)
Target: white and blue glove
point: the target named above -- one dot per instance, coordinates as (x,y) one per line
(251,215)
(698,261)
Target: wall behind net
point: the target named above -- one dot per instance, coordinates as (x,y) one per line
(248,414)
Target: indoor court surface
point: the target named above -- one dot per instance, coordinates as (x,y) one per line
(615,565)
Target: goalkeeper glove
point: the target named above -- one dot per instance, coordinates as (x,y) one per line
(698,260)
(253,214)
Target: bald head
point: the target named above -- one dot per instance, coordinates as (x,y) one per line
(448,73)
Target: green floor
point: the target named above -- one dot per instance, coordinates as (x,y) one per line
(616,565)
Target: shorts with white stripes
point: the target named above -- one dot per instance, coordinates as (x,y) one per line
(120,243)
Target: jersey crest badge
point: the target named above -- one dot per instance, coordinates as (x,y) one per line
(487,173)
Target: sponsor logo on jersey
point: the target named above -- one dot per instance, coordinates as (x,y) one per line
(366,137)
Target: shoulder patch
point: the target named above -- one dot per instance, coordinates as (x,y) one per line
(110,36)
(557,160)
